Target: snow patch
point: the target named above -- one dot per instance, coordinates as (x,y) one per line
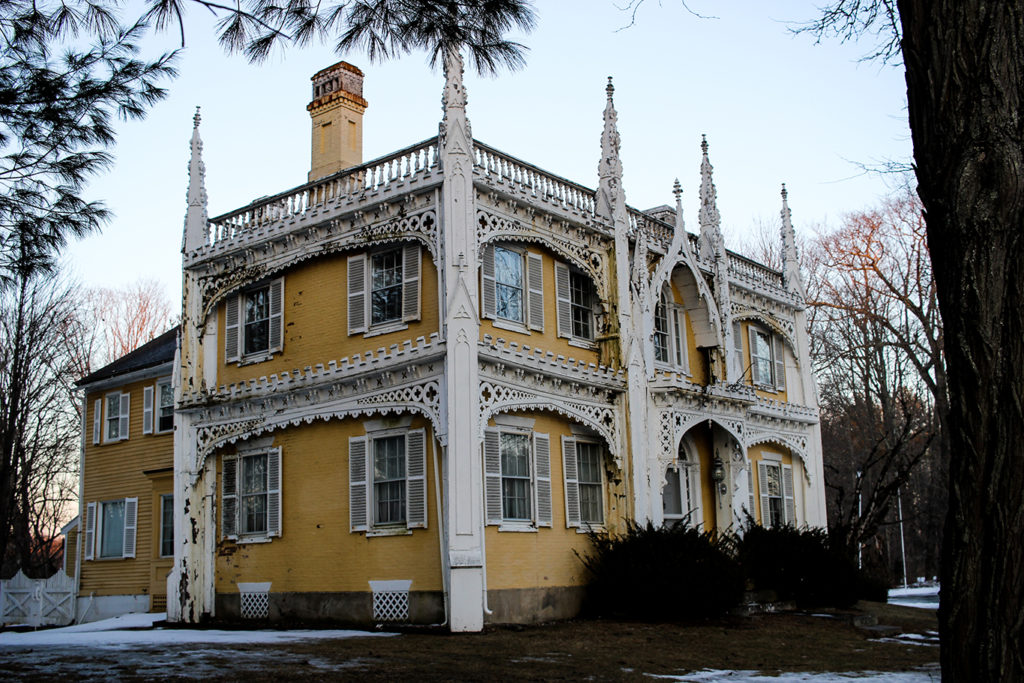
(925,675)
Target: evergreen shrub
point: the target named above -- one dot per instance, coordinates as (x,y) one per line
(662,573)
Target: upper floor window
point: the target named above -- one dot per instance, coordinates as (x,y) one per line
(253,325)
(581,300)
(517,465)
(384,289)
(387,480)
(512,281)
(116,422)
(670,332)
(767,356)
(165,406)
(251,494)
(386,286)
(509,282)
(761,357)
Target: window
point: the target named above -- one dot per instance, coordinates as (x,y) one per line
(116,424)
(677,499)
(508,279)
(581,295)
(384,289)
(767,356)
(387,480)
(517,466)
(110,529)
(165,407)
(167,525)
(251,494)
(386,286)
(253,322)
(777,501)
(584,482)
(670,332)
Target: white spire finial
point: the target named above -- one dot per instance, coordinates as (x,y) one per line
(791,279)
(709,218)
(609,168)
(196,231)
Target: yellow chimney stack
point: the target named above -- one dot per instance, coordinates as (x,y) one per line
(337,112)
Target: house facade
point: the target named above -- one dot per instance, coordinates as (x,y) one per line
(408,389)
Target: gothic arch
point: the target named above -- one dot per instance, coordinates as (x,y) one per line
(772,323)
(794,445)
(594,418)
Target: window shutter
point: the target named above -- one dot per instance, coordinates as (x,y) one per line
(787,493)
(126,402)
(147,410)
(90,530)
(762,480)
(679,327)
(357,483)
(542,460)
(229,497)
(755,366)
(490,295)
(97,420)
(563,299)
(231,315)
(535,285)
(411,261)
(750,490)
(492,475)
(780,362)
(737,346)
(131,519)
(416,479)
(274,492)
(357,294)
(572,489)
(276,342)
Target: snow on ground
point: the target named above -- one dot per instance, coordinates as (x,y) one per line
(925,675)
(925,597)
(137,629)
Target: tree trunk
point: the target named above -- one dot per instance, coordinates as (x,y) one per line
(965,74)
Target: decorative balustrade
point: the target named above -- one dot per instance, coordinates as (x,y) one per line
(742,268)
(658,231)
(501,168)
(406,164)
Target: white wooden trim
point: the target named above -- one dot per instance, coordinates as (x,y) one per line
(542,474)
(90,531)
(492,476)
(563,300)
(147,410)
(358,500)
(123,416)
(274,492)
(489,298)
(131,521)
(535,290)
(97,421)
(275,336)
(411,266)
(571,482)
(232,328)
(357,299)
(229,497)
(416,479)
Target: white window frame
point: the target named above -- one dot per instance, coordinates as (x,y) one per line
(95,531)
(687,469)
(122,417)
(776,358)
(231,495)
(532,265)
(362,484)
(539,462)
(235,323)
(158,406)
(674,316)
(166,500)
(360,289)
(786,497)
(572,483)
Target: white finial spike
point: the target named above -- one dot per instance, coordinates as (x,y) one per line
(709,218)
(791,263)
(196,233)
(609,168)
(196,119)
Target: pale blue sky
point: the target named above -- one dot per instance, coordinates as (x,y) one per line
(775,107)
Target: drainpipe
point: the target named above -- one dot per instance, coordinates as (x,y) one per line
(441,533)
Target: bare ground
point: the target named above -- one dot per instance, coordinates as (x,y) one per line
(825,641)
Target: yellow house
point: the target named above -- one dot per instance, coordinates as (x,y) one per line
(408,389)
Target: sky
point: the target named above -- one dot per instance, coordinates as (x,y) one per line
(775,107)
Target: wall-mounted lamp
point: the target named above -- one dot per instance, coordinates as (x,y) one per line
(718,474)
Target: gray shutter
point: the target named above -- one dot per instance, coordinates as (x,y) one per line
(90,530)
(737,346)
(357,483)
(755,366)
(411,261)
(563,299)
(535,286)
(492,475)
(131,521)
(572,487)
(542,460)
(780,362)
(274,492)
(490,295)
(231,328)
(416,479)
(229,497)
(357,294)
(123,421)
(762,480)
(787,493)
(679,330)
(147,410)
(750,490)
(276,315)
(97,420)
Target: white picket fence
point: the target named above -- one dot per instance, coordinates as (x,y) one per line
(37,602)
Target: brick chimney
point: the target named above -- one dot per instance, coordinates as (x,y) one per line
(337,112)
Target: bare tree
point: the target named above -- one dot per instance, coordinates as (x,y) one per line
(125,318)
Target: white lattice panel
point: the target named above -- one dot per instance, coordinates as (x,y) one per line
(255,600)
(390,601)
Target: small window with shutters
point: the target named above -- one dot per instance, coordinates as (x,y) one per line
(575,300)
(387,481)
(254,323)
(384,289)
(775,483)
(251,494)
(517,468)
(110,529)
(512,281)
(117,405)
(583,470)
(767,368)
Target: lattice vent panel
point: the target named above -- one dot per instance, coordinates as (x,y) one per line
(255,605)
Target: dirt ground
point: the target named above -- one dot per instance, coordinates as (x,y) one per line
(574,650)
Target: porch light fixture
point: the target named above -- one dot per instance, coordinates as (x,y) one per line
(718,474)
